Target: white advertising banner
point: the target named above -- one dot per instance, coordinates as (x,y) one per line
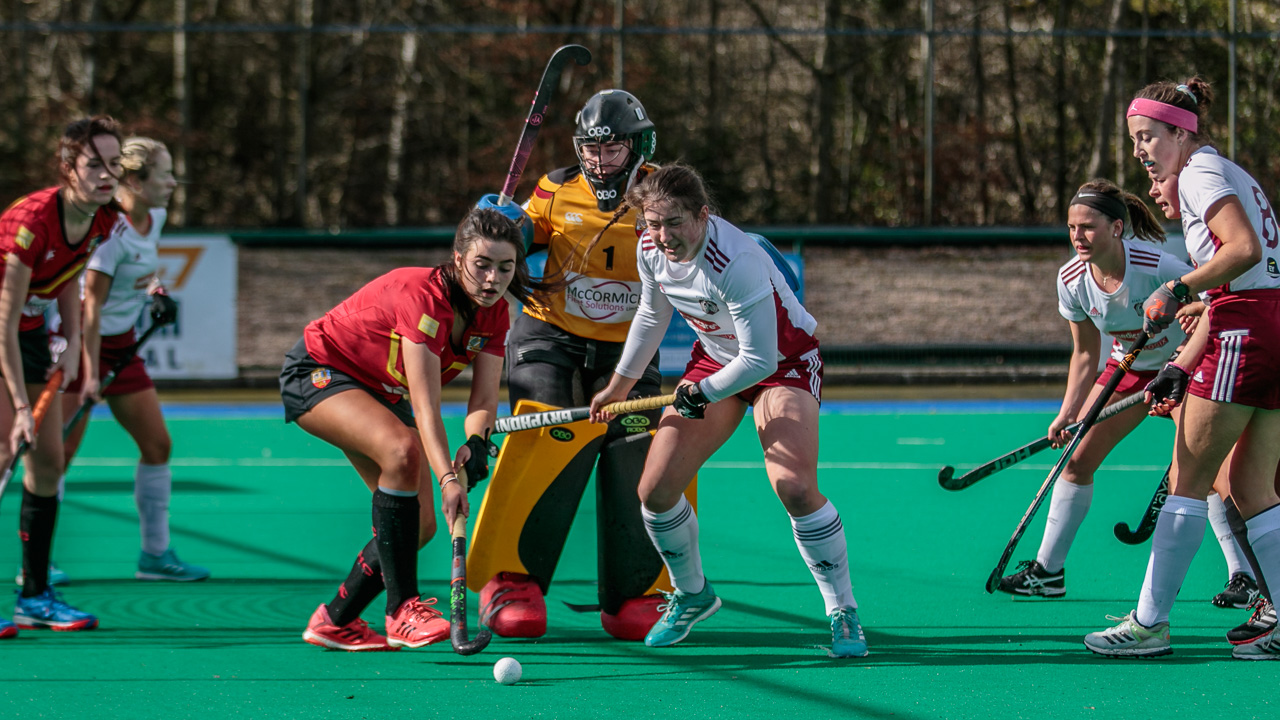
(199,272)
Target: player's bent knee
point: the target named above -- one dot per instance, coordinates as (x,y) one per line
(798,496)
(401,461)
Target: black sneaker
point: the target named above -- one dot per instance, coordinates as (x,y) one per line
(1240,592)
(1261,622)
(1033,579)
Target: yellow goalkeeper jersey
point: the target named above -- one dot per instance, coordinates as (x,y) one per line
(603,292)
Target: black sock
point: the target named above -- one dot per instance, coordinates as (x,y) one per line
(1241,533)
(35,527)
(362,585)
(395,527)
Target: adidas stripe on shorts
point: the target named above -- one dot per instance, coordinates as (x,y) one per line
(1242,362)
(803,371)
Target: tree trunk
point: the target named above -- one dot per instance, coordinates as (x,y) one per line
(1101,136)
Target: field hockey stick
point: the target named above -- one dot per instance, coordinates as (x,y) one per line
(109,378)
(946,475)
(532,421)
(41,407)
(1149,518)
(1090,417)
(538,113)
(458,590)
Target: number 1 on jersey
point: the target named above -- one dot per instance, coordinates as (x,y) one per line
(608,258)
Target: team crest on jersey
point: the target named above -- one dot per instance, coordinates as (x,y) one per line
(1137,307)
(475,343)
(1272,270)
(93,242)
(709,307)
(321,377)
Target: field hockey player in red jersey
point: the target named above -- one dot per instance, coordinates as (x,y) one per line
(366,377)
(1225,378)
(120,285)
(46,238)
(755,347)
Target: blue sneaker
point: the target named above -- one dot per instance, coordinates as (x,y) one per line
(7,629)
(847,639)
(48,610)
(167,566)
(683,611)
(57,576)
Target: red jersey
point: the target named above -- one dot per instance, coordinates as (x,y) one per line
(362,335)
(32,228)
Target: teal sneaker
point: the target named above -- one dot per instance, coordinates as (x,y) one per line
(847,639)
(167,566)
(48,610)
(683,611)
(57,576)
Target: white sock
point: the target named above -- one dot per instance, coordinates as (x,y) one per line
(675,534)
(1178,535)
(1067,508)
(152,485)
(1236,562)
(62,487)
(1264,536)
(820,537)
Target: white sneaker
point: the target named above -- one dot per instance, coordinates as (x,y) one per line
(1266,647)
(1130,639)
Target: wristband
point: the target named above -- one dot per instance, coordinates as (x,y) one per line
(1181,291)
(20,407)
(449,477)
(1174,364)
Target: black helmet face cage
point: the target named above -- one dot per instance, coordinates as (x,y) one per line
(610,188)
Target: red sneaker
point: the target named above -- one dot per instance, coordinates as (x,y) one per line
(512,606)
(355,636)
(634,619)
(416,623)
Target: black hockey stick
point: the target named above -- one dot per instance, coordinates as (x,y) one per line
(1090,417)
(1149,518)
(47,396)
(946,475)
(458,590)
(532,421)
(109,378)
(538,113)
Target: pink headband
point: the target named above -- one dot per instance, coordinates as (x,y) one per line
(1163,112)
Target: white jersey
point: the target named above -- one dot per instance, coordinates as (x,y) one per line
(1207,178)
(131,259)
(736,300)
(1119,313)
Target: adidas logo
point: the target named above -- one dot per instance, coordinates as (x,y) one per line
(792,374)
(823,566)
(1199,376)
(1094,312)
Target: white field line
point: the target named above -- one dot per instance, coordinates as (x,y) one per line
(712,465)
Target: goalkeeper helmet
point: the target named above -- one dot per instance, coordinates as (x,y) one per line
(609,117)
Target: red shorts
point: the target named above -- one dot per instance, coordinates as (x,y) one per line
(132,377)
(803,371)
(1242,363)
(1132,381)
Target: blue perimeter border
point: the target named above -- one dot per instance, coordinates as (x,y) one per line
(192,411)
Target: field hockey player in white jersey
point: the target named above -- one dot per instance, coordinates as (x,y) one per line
(1226,376)
(755,347)
(1099,291)
(120,284)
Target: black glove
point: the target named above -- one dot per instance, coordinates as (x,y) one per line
(477,466)
(1159,311)
(164,311)
(1170,384)
(690,402)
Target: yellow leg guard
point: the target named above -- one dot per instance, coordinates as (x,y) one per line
(532,464)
